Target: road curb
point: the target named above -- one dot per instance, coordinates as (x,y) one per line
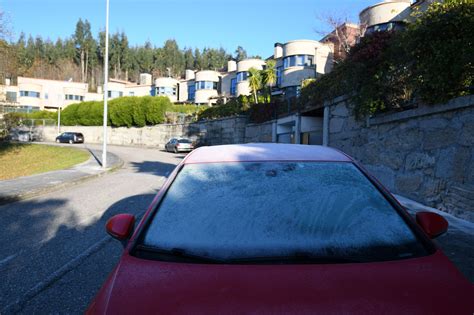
(47,189)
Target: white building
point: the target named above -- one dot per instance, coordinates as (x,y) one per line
(296,61)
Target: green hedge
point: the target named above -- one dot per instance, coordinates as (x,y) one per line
(129,111)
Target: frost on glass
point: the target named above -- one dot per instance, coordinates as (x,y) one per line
(246,210)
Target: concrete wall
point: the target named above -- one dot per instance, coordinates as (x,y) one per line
(426,153)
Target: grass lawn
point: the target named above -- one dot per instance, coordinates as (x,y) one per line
(27,159)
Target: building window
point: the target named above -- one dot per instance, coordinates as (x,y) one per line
(191,92)
(278,75)
(206,85)
(298,61)
(46,96)
(242,76)
(233,86)
(29,94)
(165,90)
(131,93)
(11,96)
(114,94)
(384,27)
(71,97)
(292,91)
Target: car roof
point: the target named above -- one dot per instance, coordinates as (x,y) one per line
(265,152)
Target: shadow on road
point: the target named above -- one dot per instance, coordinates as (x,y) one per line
(153,167)
(99,161)
(49,258)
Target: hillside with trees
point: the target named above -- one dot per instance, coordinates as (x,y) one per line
(80,57)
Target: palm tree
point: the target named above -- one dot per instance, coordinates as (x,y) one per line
(255,82)
(270,76)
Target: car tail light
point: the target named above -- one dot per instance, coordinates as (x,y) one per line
(177,145)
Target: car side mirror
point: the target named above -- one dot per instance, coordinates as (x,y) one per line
(431,223)
(120,226)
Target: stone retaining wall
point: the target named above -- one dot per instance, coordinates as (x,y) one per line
(259,132)
(425,153)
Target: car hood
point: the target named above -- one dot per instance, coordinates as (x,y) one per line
(427,285)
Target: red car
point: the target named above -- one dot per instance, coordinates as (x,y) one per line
(279,229)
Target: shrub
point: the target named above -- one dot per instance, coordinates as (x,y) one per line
(90,114)
(124,112)
(69,115)
(120,112)
(231,108)
(439,46)
(43,114)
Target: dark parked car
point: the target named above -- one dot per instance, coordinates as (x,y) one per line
(70,137)
(279,229)
(179,145)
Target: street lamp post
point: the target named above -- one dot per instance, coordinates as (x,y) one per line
(106,90)
(59,119)
(60,106)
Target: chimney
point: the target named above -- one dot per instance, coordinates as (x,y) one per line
(231,66)
(278,52)
(145,79)
(189,75)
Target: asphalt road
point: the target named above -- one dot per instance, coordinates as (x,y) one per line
(55,254)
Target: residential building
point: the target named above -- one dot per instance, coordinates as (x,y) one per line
(384,16)
(242,75)
(118,88)
(295,61)
(39,94)
(390,15)
(299,60)
(167,87)
(342,38)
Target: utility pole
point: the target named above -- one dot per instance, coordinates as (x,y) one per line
(106,80)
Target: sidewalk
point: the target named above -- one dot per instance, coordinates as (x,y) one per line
(29,186)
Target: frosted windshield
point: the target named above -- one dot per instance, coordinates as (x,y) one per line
(237,211)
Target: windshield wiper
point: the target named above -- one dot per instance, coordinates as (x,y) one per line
(172,254)
(296,258)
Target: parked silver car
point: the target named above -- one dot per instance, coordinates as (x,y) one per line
(179,145)
(23,136)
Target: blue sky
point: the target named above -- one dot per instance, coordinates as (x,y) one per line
(255,25)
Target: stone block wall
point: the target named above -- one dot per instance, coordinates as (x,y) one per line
(425,153)
(259,132)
